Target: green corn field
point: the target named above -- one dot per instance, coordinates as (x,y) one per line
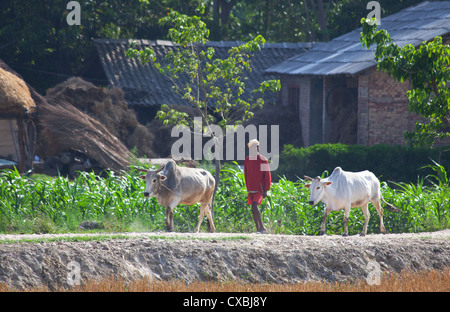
(42,204)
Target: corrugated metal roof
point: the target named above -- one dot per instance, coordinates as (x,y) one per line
(346,55)
(144,85)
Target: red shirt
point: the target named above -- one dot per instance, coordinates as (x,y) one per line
(257,174)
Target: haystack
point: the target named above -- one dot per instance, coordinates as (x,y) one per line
(109,107)
(64,128)
(17,131)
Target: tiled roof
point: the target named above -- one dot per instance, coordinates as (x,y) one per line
(144,85)
(346,55)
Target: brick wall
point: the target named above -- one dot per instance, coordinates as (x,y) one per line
(383,115)
(383,109)
(363,109)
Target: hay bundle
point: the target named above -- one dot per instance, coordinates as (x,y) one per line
(64,128)
(15,98)
(107,106)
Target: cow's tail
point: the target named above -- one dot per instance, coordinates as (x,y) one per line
(389,206)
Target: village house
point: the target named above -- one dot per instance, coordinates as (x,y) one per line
(339,94)
(145,88)
(17,116)
(333,88)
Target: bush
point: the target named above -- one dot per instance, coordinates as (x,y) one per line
(389,163)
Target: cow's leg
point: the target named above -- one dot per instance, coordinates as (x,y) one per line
(169,219)
(325,215)
(365,210)
(203,207)
(212,228)
(169,214)
(346,215)
(380,214)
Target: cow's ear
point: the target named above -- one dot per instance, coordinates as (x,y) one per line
(308,185)
(162,177)
(142,177)
(328,183)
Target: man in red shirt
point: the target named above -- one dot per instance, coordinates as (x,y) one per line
(257,180)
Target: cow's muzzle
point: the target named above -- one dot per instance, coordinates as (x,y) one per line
(146,194)
(311,202)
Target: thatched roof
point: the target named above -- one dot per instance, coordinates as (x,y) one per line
(61,127)
(15,97)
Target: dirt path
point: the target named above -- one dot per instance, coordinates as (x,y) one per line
(220,256)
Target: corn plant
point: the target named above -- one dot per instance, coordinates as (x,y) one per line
(47,204)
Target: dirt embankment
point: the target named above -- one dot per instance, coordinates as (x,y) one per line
(220,256)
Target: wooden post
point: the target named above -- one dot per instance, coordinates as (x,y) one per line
(21,137)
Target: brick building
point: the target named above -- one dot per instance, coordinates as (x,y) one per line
(339,94)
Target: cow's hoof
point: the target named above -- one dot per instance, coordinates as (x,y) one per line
(362,234)
(169,229)
(322,233)
(345,234)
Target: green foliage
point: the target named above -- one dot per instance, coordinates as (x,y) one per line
(214,86)
(40,204)
(427,68)
(60,203)
(390,163)
(37,42)
(286,209)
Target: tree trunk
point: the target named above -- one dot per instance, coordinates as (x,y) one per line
(222,9)
(217,178)
(266,17)
(225,11)
(309,28)
(322,20)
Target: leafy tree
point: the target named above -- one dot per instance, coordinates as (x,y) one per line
(428,70)
(214,86)
(37,42)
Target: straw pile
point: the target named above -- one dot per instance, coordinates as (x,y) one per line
(107,106)
(62,129)
(65,128)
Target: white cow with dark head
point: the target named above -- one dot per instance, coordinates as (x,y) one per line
(346,190)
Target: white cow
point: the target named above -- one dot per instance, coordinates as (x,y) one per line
(345,190)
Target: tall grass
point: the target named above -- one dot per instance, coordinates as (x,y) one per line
(41,204)
(45,204)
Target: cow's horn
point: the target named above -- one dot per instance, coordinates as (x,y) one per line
(142,170)
(308,178)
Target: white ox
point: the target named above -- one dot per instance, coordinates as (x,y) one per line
(345,190)
(173,185)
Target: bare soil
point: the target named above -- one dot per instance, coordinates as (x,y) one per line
(217,257)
